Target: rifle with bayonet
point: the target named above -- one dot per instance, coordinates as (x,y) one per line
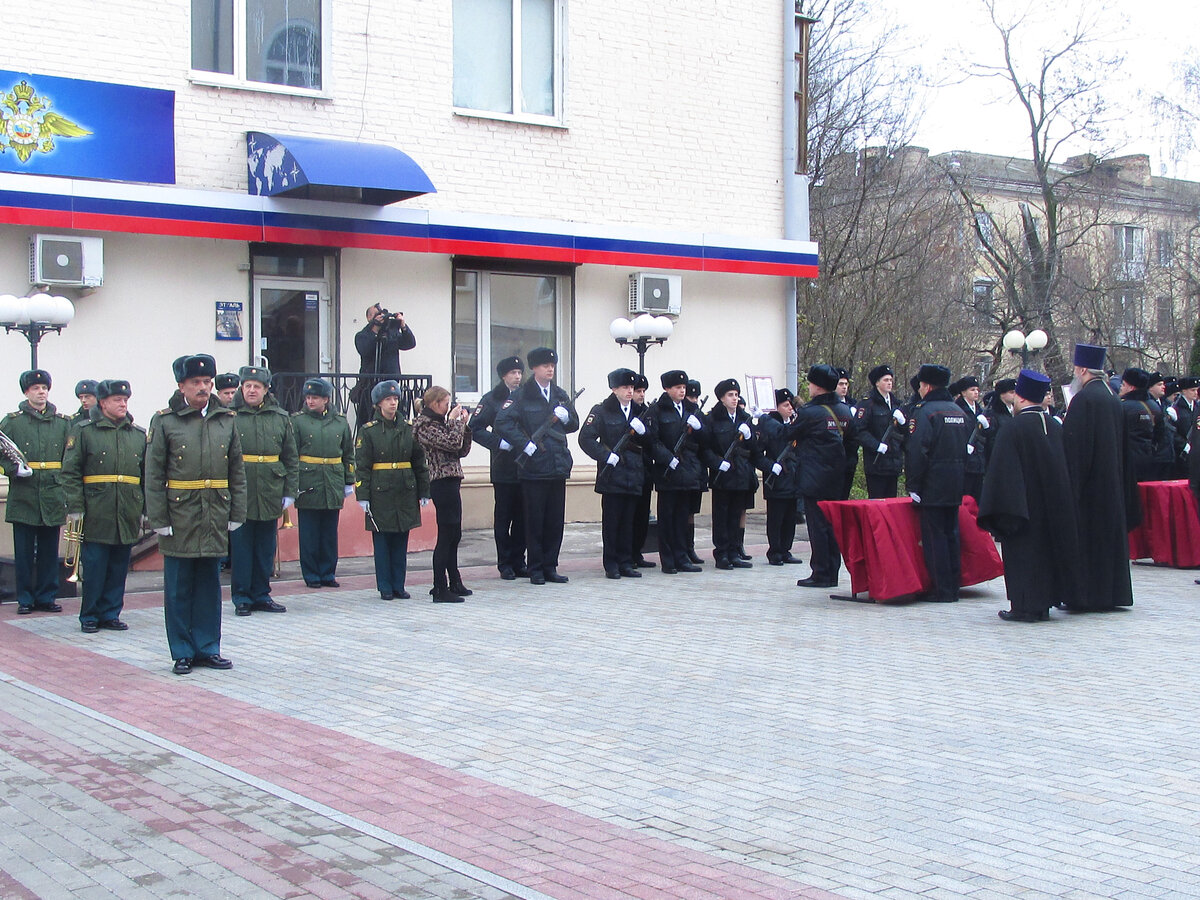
(536,437)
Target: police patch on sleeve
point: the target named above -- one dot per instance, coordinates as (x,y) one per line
(590,419)
(862,413)
(507,403)
(912,425)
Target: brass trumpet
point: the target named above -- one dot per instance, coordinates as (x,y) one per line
(73,535)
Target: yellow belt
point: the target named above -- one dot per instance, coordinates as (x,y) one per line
(43,465)
(321,460)
(396,465)
(260,458)
(111,479)
(197,485)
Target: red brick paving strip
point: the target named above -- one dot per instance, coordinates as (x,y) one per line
(517,836)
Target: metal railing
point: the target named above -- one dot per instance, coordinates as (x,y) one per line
(288,388)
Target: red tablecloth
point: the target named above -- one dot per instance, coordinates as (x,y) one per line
(880,542)
(1170,529)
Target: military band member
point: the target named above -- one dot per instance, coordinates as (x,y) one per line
(641,514)
(967,391)
(36,506)
(85,390)
(936,453)
(195,495)
(325,450)
(881,434)
(392,486)
(1143,423)
(103,473)
(508,521)
(732,453)
(1185,419)
(678,472)
(540,404)
(615,434)
(781,468)
(226,387)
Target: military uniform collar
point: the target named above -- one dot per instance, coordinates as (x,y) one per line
(46,412)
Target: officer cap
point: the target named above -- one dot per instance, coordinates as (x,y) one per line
(113,387)
(641,383)
(878,372)
(935,375)
(86,386)
(783,395)
(1089,356)
(384,389)
(1138,379)
(1155,378)
(318,387)
(1032,385)
(200,365)
(226,381)
(539,356)
(1171,385)
(693,388)
(967,381)
(1004,385)
(1188,381)
(507,365)
(622,378)
(724,387)
(824,376)
(34,376)
(255,373)
(673,378)
(841,373)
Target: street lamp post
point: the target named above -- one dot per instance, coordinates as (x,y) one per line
(641,333)
(1016,342)
(35,317)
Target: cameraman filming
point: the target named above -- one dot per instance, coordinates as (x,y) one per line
(379,345)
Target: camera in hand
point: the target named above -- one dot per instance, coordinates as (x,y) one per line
(389,316)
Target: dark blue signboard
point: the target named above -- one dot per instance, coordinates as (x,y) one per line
(86,129)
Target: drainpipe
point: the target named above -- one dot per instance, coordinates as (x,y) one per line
(796,28)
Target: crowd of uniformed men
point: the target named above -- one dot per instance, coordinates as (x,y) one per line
(219,465)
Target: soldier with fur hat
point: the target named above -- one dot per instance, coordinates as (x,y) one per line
(85,390)
(325,452)
(641,513)
(881,434)
(1142,423)
(1186,410)
(508,519)
(679,474)
(733,454)
(781,468)
(226,387)
(966,390)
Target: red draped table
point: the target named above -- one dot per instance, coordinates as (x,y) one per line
(880,541)
(1170,529)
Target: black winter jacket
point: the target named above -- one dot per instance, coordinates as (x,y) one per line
(745,459)
(602,430)
(522,414)
(691,473)
(936,451)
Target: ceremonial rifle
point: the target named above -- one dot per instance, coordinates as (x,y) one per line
(728,456)
(784,455)
(629,432)
(536,437)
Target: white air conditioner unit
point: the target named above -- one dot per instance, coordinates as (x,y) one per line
(66,260)
(653,293)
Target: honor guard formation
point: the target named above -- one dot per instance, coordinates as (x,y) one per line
(222,464)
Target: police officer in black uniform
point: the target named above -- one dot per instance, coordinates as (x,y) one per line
(678,472)
(1186,409)
(779,479)
(1141,423)
(641,514)
(508,521)
(880,434)
(732,454)
(966,391)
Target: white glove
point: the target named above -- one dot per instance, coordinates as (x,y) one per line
(562,413)
(74,517)
(674,463)
(24,471)
(234,526)
(613,459)
(505,445)
(776,469)
(349,489)
(916,498)
(1187,448)
(883,448)
(724,466)
(970,449)
(165,532)
(424,501)
(1172,414)
(898,415)
(745,430)
(755,412)
(530,449)
(636,424)
(694,423)
(983,422)
(288,501)
(365,504)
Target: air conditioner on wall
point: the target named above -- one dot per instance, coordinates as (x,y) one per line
(653,293)
(66,260)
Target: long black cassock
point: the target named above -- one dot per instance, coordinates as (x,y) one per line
(1026,502)
(1104,494)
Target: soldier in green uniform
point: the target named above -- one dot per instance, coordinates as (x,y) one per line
(36,507)
(85,390)
(103,470)
(195,494)
(227,387)
(326,451)
(269,452)
(392,486)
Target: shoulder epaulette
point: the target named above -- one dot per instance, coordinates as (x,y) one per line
(165,411)
(370,424)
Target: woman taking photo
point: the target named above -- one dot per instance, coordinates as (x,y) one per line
(445,437)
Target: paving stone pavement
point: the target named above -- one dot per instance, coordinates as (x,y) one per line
(719,735)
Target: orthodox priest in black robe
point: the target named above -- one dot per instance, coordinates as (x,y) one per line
(1104,492)
(1026,503)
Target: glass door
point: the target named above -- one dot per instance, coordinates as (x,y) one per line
(292,321)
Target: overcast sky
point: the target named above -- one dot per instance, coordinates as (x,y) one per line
(1151,34)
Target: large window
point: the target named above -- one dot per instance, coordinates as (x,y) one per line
(508,58)
(264,42)
(1131,252)
(501,313)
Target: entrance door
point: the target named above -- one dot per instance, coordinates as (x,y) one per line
(292,331)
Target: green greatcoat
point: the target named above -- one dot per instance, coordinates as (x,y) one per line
(42,436)
(112,511)
(323,436)
(394,493)
(184,445)
(266,430)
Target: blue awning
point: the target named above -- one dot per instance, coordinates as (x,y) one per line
(284,165)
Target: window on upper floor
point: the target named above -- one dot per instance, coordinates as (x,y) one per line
(1128,320)
(985,231)
(1164,315)
(260,43)
(508,58)
(1131,252)
(1165,242)
(983,300)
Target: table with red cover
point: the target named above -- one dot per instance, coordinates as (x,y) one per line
(880,541)
(1170,529)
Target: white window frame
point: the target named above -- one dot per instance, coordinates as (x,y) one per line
(1131,252)
(239,77)
(557,120)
